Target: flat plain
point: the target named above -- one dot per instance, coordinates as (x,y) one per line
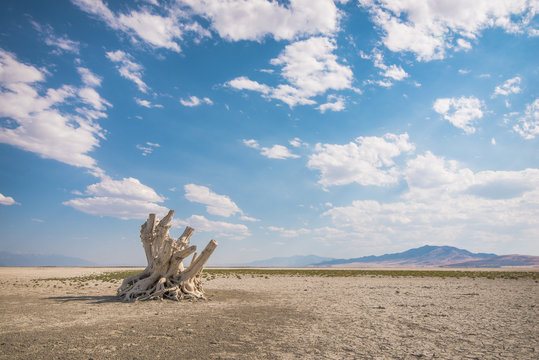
(73,313)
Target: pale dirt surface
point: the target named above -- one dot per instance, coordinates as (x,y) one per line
(277,317)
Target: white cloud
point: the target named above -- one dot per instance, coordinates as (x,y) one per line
(147,148)
(221,228)
(91,97)
(311,69)
(428,28)
(128,69)
(195,101)
(449,204)
(216,204)
(274,152)
(7,200)
(61,43)
(254,19)
(147,104)
(278,152)
(158,31)
(89,78)
(464,71)
(127,188)
(248,218)
(461,112)
(335,103)
(252,143)
(287,233)
(463,45)
(243,83)
(296,142)
(125,199)
(509,87)
(395,72)
(528,124)
(366,161)
(42,127)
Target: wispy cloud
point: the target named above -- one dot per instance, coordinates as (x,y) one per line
(147,148)
(216,204)
(274,152)
(60,43)
(128,68)
(147,103)
(195,101)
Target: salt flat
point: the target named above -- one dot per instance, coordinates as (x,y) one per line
(270,317)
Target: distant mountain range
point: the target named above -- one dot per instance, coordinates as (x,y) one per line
(11,259)
(425,256)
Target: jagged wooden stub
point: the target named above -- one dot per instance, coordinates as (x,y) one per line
(165,276)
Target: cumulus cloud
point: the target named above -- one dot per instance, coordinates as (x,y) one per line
(461,112)
(274,152)
(369,160)
(216,204)
(37,123)
(511,86)
(125,199)
(428,28)
(195,101)
(528,124)
(254,19)
(310,68)
(447,202)
(7,200)
(128,69)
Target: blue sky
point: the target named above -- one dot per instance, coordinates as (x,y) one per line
(339,129)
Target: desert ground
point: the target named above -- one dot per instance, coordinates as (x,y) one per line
(270,317)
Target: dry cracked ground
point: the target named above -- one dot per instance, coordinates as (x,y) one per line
(270,317)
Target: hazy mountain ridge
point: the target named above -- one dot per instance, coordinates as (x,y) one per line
(500,261)
(425,256)
(12,259)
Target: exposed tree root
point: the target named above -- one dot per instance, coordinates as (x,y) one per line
(165,277)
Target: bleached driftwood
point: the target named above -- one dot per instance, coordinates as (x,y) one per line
(165,276)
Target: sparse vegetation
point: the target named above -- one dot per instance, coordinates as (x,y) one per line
(211,274)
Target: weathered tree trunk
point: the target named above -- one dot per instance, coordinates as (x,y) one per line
(165,276)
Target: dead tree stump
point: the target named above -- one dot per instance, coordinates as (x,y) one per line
(165,277)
